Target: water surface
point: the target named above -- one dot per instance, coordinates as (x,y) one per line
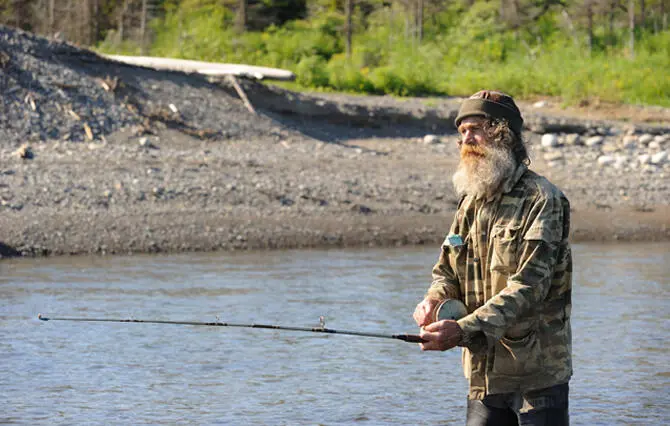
(107,373)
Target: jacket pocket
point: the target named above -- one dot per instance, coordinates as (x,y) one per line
(504,249)
(517,357)
(457,256)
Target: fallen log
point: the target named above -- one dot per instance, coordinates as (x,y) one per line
(206,68)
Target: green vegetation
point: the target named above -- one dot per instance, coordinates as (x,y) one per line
(462,49)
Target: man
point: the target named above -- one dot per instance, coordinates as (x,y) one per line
(507,258)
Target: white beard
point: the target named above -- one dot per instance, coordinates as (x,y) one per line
(481,177)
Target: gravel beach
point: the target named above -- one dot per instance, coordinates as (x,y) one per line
(101,157)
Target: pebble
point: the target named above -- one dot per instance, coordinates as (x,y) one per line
(431,139)
(594,140)
(25,152)
(549,140)
(573,139)
(659,157)
(629,142)
(645,139)
(553,156)
(605,160)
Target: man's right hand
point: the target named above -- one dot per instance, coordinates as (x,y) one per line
(423,314)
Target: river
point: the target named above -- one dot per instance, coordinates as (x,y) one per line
(60,372)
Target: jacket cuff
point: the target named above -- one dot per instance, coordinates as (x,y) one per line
(470,326)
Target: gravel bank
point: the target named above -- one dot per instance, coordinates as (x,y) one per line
(100,157)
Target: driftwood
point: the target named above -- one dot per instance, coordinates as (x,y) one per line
(241,93)
(207,68)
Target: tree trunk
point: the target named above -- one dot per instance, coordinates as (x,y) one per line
(51,19)
(143,28)
(349,7)
(664,16)
(613,6)
(419,20)
(631,27)
(120,28)
(22,14)
(241,24)
(96,21)
(589,29)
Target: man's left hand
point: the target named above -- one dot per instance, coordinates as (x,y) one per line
(441,335)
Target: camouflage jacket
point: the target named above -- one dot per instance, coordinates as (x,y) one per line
(508,259)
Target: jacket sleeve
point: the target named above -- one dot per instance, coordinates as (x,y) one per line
(529,285)
(445,280)
(445,283)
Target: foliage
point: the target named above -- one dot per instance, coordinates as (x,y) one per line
(463,49)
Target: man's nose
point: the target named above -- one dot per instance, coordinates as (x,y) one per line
(468,137)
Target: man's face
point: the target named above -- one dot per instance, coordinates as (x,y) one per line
(473,142)
(484,164)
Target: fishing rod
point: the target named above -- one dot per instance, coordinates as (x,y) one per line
(411,338)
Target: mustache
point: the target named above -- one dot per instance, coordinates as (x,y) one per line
(473,150)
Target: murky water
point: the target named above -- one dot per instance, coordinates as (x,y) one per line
(107,373)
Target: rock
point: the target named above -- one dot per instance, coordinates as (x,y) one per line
(145,142)
(573,139)
(25,152)
(659,157)
(431,139)
(644,158)
(620,161)
(605,160)
(661,139)
(553,156)
(609,148)
(594,140)
(645,139)
(549,140)
(540,104)
(654,145)
(629,142)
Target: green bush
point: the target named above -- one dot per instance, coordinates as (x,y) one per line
(464,50)
(311,72)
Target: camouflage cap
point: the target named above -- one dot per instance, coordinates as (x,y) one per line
(492,104)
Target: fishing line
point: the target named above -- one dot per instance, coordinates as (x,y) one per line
(411,338)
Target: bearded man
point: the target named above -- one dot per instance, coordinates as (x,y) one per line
(507,258)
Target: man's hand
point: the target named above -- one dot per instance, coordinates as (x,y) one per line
(441,335)
(423,314)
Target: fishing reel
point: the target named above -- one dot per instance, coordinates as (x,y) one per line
(450,309)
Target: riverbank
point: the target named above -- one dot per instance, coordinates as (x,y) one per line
(101,157)
(175,193)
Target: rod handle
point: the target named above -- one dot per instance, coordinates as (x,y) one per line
(411,338)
